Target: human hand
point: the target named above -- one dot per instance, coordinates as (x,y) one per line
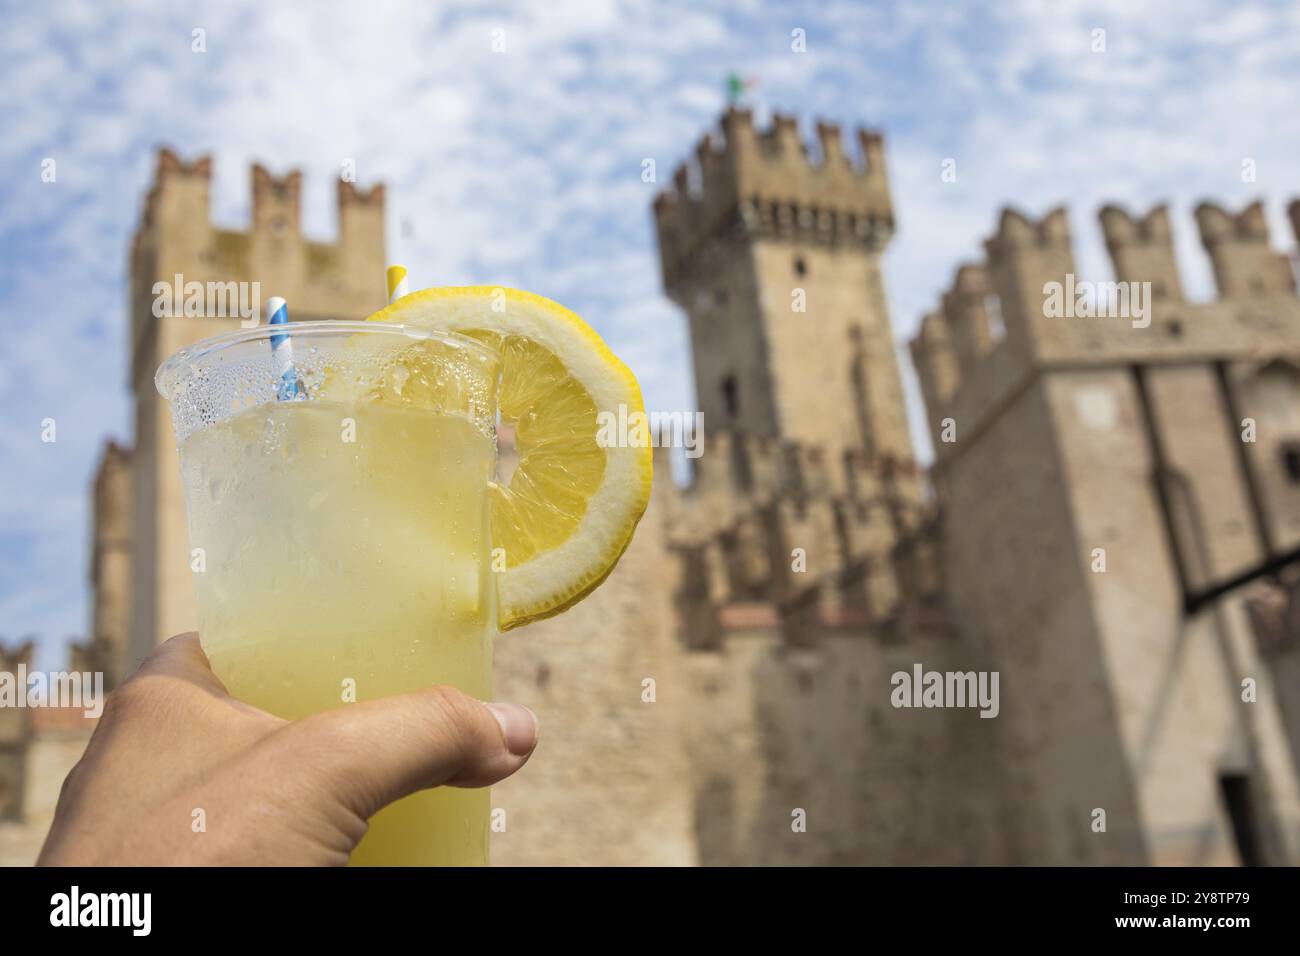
(293,793)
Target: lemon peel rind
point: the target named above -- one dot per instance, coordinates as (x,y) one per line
(526,592)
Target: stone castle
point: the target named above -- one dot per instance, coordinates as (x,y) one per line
(1094,529)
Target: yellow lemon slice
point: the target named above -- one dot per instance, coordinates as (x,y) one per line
(569,509)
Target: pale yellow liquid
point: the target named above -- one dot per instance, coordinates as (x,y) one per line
(339,569)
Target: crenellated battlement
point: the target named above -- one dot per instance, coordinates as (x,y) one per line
(1016,231)
(1238,246)
(773,530)
(1051,316)
(1217,224)
(176,237)
(767,183)
(1021,256)
(965,310)
(171,175)
(177,216)
(1142,249)
(277,203)
(350,195)
(1122,230)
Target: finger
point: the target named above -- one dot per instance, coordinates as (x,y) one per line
(373,753)
(182,656)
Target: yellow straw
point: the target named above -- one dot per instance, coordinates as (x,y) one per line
(396,283)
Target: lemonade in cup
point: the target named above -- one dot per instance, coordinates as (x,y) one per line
(355,541)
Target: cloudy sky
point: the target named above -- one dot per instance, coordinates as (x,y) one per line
(523,167)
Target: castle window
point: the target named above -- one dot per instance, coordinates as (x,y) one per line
(858,379)
(851,475)
(793,466)
(720,297)
(993,312)
(800,266)
(730,396)
(1291,461)
(744,475)
(842,536)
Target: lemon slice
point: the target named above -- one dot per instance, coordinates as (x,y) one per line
(574,500)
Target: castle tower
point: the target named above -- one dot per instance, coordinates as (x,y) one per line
(1103,507)
(176,246)
(808,480)
(805,574)
(110,566)
(775,257)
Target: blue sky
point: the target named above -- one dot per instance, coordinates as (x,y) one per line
(523,167)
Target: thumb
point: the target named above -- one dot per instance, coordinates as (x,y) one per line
(367,755)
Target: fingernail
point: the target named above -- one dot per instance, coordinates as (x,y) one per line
(519,724)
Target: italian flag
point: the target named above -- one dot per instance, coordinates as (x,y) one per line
(737,85)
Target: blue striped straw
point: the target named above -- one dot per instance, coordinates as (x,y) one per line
(282,352)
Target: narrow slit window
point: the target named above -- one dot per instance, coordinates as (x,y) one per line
(1291,462)
(993,309)
(730,396)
